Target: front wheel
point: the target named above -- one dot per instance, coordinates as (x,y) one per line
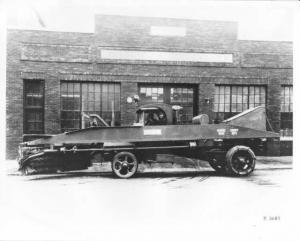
(124,165)
(240,161)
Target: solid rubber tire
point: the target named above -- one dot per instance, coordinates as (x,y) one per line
(230,170)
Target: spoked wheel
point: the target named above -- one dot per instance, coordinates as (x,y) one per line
(124,165)
(240,161)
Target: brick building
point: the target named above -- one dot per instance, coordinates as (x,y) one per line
(52,77)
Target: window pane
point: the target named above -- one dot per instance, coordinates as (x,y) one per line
(233,108)
(104,101)
(262,98)
(227,90)
(227,107)
(97,88)
(148,92)
(234,98)
(234,90)
(222,90)
(190,95)
(97,97)
(240,90)
(239,99)
(76,124)
(222,99)
(111,88)
(251,99)
(117,103)
(97,105)
(104,88)
(239,107)
(221,107)
(84,88)
(76,88)
(91,106)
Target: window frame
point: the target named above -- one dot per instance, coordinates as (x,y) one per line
(26,109)
(286,117)
(230,113)
(283,98)
(81,83)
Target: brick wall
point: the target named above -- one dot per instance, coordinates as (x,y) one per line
(56,56)
(135,32)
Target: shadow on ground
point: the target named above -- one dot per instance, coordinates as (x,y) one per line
(111,176)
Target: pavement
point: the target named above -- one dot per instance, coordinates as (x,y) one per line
(161,203)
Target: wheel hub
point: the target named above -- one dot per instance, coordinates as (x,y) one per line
(125,166)
(242,163)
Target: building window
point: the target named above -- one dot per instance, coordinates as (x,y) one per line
(33,106)
(152,94)
(232,99)
(286,124)
(183,97)
(70,106)
(173,95)
(77,98)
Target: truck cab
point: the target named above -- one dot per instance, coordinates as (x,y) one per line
(164,114)
(158,114)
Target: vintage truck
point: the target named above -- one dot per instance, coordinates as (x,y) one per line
(229,146)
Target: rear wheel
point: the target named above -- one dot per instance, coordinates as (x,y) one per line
(218,166)
(216,159)
(124,165)
(240,161)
